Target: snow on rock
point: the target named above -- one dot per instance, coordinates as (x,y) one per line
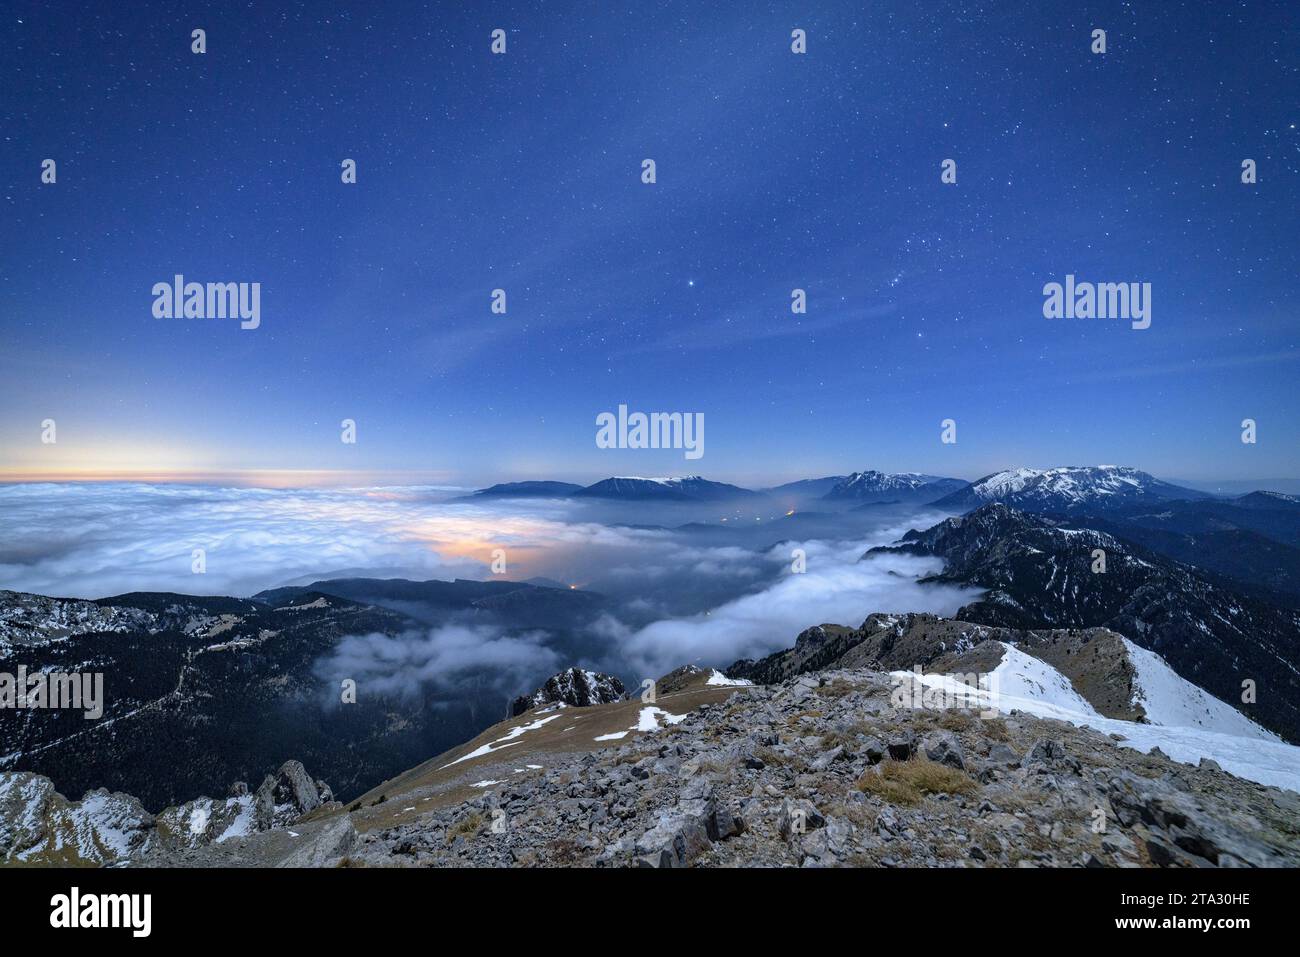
(1067,487)
(40,826)
(576,687)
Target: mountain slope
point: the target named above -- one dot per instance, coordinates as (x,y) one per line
(1038,573)
(526,490)
(818,770)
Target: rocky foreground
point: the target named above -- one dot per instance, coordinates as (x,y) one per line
(821,769)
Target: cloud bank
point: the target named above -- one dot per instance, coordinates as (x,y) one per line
(676,592)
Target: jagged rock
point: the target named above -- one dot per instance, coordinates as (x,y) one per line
(901,746)
(40,826)
(944,748)
(287,795)
(1002,756)
(577,688)
(874,750)
(675,841)
(798,816)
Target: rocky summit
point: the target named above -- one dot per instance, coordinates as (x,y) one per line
(822,769)
(576,687)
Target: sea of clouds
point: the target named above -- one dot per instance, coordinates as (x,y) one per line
(675,598)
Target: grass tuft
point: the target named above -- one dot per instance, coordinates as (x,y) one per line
(909,782)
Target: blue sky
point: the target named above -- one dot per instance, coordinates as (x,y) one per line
(775,171)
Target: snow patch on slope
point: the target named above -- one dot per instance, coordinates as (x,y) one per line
(1171,700)
(1029,685)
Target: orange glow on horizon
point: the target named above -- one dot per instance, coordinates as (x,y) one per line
(243,478)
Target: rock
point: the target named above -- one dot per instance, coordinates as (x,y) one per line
(1048,754)
(944,748)
(334,840)
(826,843)
(721,824)
(901,746)
(675,841)
(826,759)
(798,816)
(577,688)
(286,796)
(40,826)
(1002,756)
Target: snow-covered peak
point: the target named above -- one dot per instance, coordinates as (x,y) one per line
(1067,487)
(876,480)
(873,484)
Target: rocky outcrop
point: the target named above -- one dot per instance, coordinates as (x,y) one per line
(39,826)
(577,688)
(1094,659)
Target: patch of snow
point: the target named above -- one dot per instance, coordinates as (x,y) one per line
(505,741)
(718,678)
(648,719)
(242,825)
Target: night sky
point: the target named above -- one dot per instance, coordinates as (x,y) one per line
(775,171)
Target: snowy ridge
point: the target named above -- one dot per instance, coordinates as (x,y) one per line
(1070,486)
(1024,683)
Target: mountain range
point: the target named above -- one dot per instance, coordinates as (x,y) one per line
(1187,632)
(1054,490)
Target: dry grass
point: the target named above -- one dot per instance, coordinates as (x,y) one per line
(908,782)
(847,737)
(563,851)
(837,688)
(810,714)
(466,827)
(955,719)
(774,758)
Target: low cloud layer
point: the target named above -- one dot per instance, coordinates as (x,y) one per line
(698,594)
(438,659)
(835,589)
